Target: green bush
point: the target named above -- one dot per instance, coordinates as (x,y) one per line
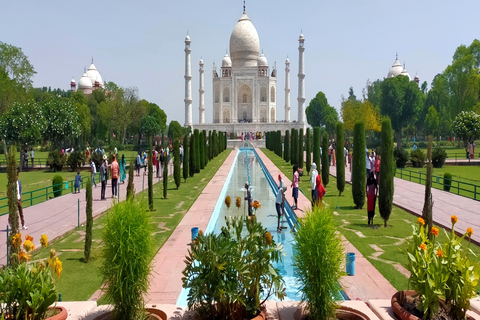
(417,157)
(438,157)
(447,181)
(286,154)
(401,157)
(316,146)
(201,144)
(176,162)
(294,151)
(340,156)
(300,149)
(325,164)
(308,150)
(127,254)
(386,187)
(89,223)
(196,133)
(238,288)
(186,155)
(75,160)
(56,160)
(57,185)
(192,161)
(359,171)
(318,262)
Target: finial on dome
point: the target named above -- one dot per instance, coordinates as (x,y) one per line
(243,6)
(84,69)
(396,55)
(92,59)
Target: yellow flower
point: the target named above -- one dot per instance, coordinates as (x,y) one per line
(439,253)
(238,202)
(17,240)
(44,240)
(53,253)
(469,232)
(58,267)
(421,221)
(268,238)
(23,256)
(256,205)
(423,246)
(28,245)
(454,219)
(28,237)
(228,201)
(434,231)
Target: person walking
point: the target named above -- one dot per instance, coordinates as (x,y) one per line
(279,202)
(321,190)
(103,179)
(123,169)
(25,159)
(19,201)
(162,162)
(371,197)
(313,183)
(296,179)
(78,179)
(368,162)
(115,172)
(32,157)
(377,169)
(138,163)
(93,170)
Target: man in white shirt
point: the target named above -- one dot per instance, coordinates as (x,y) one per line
(369,164)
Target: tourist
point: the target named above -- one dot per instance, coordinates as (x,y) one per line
(145,163)
(313,181)
(321,190)
(87,153)
(93,170)
(78,179)
(25,159)
(32,156)
(330,150)
(372,161)
(181,153)
(19,201)
(162,163)
(249,200)
(103,179)
(123,169)
(138,163)
(279,202)
(154,161)
(368,162)
(115,171)
(296,178)
(468,150)
(371,197)
(377,169)
(414,146)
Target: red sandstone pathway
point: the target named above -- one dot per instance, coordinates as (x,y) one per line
(410,197)
(58,216)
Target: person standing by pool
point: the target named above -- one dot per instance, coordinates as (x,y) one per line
(123,169)
(371,197)
(93,169)
(138,163)
(296,179)
(313,183)
(321,190)
(279,202)
(78,179)
(115,171)
(249,200)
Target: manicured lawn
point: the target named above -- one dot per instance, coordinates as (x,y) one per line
(80,280)
(468,174)
(383,247)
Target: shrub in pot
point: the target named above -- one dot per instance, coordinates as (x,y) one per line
(438,157)
(127,253)
(401,157)
(417,157)
(57,185)
(447,181)
(227,274)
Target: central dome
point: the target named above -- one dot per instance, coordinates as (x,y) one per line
(244,43)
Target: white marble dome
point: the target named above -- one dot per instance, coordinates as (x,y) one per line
(262,61)
(244,43)
(94,75)
(226,62)
(405,73)
(395,70)
(85,82)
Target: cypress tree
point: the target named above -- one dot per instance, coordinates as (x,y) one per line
(131,175)
(359,173)
(150,179)
(202,150)
(339,154)
(12,202)
(197,151)
(191,169)
(308,147)
(186,158)
(325,164)
(385,196)
(316,146)
(89,223)
(286,151)
(279,143)
(210,148)
(427,204)
(300,149)
(165,179)
(176,162)
(214,143)
(294,154)
(205,153)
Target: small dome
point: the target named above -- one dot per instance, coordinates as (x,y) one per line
(73,80)
(244,43)
(262,61)
(287,61)
(301,37)
(405,73)
(85,82)
(226,62)
(395,70)
(201,62)
(416,77)
(94,75)
(187,38)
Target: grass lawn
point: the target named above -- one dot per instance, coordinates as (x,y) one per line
(383,247)
(80,280)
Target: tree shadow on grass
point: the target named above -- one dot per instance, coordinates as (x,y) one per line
(347,208)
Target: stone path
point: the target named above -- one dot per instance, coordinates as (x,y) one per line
(60,215)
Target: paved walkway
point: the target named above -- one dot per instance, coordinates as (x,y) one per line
(410,197)
(60,215)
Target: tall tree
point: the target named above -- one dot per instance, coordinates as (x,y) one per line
(202,150)
(196,133)
(353,111)
(286,153)
(300,149)
(12,201)
(325,164)
(359,165)
(14,63)
(186,158)
(340,158)
(316,146)
(466,126)
(62,121)
(150,177)
(432,120)
(386,186)
(308,150)
(192,160)
(320,113)
(175,130)
(294,155)
(176,162)
(428,203)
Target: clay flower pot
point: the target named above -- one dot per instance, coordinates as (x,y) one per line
(62,315)
(342,312)
(152,314)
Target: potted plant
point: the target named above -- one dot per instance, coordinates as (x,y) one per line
(443,276)
(231,275)
(318,262)
(127,254)
(28,289)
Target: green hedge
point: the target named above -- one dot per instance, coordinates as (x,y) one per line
(386,186)
(57,183)
(308,151)
(340,158)
(316,146)
(286,153)
(359,165)
(325,164)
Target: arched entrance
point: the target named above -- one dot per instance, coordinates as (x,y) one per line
(244,104)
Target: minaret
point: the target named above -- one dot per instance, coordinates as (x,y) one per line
(287,90)
(188,84)
(201,107)
(301,79)
(73,85)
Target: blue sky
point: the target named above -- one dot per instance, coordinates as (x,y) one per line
(140,43)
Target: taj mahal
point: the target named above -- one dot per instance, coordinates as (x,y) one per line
(245,87)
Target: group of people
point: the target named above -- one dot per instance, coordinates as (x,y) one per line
(24,156)
(117,171)
(470,150)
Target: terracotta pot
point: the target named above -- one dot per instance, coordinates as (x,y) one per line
(152,314)
(342,312)
(399,299)
(261,316)
(62,315)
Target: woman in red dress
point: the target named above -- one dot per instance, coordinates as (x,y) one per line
(371,197)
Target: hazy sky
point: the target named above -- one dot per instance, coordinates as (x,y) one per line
(140,43)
